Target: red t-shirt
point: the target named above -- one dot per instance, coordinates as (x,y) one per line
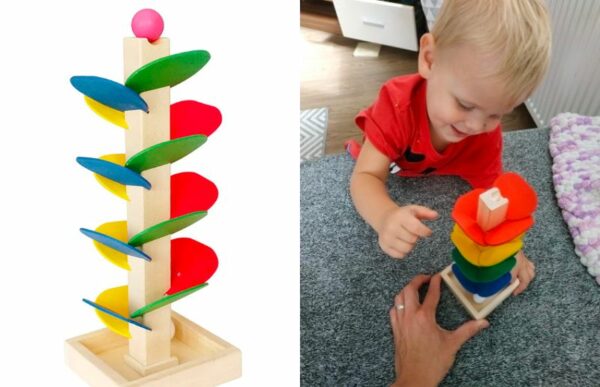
(397,125)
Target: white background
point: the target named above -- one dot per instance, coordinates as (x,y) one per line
(47,266)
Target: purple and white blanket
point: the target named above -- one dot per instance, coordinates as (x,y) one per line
(575,147)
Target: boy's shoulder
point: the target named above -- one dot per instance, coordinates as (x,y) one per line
(403,89)
(405,81)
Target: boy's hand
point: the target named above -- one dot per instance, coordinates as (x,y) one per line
(402,227)
(524,270)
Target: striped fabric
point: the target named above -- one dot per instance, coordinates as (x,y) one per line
(313,130)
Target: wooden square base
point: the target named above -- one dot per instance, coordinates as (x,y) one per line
(477,311)
(203,359)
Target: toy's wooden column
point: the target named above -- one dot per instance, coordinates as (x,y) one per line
(148,281)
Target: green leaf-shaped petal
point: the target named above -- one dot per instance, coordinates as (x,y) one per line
(167,71)
(165,228)
(164,153)
(166,300)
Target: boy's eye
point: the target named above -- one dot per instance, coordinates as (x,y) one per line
(463,106)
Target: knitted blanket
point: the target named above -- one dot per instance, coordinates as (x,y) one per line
(575,148)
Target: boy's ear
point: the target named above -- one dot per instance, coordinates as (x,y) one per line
(427,46)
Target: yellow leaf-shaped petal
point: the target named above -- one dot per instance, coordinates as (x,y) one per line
(110,185)
(117,230)
(111,115)
(117,300)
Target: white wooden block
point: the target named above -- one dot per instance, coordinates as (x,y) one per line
(491,209)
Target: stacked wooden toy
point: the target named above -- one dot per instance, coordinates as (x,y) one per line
(489,230)
(160,346)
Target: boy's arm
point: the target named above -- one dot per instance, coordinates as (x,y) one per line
(398,228)
(367,185)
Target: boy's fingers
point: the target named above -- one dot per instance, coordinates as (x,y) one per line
(407,237)
(433,294)
(523,282)
(392,252)
(422,212)
(415,226)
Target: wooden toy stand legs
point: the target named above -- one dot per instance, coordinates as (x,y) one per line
(477,311)
(193,356)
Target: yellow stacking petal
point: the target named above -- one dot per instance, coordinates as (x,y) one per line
(117,300)
(112,115)
(112,186)
(117,230)
(484,255)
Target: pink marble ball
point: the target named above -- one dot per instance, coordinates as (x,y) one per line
(147,23)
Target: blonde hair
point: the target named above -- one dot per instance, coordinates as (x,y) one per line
(515,31)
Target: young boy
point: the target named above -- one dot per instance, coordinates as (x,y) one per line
(482,59)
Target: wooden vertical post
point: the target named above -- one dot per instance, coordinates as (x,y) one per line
(148,281)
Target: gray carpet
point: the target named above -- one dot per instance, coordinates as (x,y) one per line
(547,336)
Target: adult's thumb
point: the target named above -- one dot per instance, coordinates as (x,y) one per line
(469,329)
(424,212)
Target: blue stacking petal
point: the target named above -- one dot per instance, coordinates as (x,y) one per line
(115,314)
(114,243)
(484,289)
(114,172)
(109,93)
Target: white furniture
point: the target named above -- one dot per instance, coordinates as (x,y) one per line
(381,22)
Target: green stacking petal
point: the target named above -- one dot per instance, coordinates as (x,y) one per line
(166,300)
(482,273)
(167,71)
(164,153)
(165,228)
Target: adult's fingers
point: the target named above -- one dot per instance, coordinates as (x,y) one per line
(394,322)
(411,291)
(467,330)
(433,294)
(399,299)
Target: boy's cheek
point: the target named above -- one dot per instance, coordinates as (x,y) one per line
(492,125)
(451,116)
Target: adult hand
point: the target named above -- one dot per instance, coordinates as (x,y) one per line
(424,351)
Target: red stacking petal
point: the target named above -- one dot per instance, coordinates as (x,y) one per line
(192,117)
(191,192)
(522,201)
(521,197)
(192,264)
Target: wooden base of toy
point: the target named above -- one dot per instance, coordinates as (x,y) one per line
(477,311)
(203,359)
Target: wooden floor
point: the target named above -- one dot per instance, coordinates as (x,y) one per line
(332,77)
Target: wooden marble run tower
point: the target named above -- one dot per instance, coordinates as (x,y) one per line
(146,343)
(489,230)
